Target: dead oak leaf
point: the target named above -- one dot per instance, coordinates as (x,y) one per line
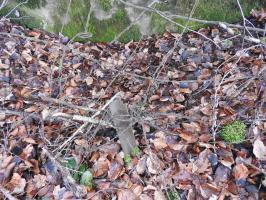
(187,136)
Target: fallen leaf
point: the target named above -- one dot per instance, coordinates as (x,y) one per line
(202,164)
(126,195)
(115,170)
(240,171)
(159,143)
(17,184)
(101,167)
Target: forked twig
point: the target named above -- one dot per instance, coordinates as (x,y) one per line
(82,127)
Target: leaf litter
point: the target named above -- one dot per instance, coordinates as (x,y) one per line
(180,156)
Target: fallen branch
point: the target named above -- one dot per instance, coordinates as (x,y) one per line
(61,102)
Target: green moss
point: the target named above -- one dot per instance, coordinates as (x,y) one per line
(234,132)
(77,18)
(158,24)
(220,10)
(106,30)
(106,5)
(132,34)
(35,3)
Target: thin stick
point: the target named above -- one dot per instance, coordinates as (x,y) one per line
(168,19)
(81,119)
(7,194)
(61,102)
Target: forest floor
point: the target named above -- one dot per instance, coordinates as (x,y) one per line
(180,91)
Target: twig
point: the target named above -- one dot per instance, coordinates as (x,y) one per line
(82,119)
(81,128)
(168,19)
(10,12)
(219,23)
(7,194)
(61,102)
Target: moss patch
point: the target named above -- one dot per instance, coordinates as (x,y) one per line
(106,30)
(234,132)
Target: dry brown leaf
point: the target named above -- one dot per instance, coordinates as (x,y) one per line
(202,164)
(240,171)
(101,167)
(126,195)
(29,140)
(187,135)
(26,55)
(17,184)
(115,170)
(154,98)
(137,189)
(192,127)
(154,164)
(141,166)
(159,143)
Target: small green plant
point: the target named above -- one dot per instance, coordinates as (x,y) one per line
(86,179)
(136,151)
(234,132)
(172,194)
(127,159)
(79,173)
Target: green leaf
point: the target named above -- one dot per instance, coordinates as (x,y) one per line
(136,151)
(82,169)
(127,159)
(86,179)
(69,163)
